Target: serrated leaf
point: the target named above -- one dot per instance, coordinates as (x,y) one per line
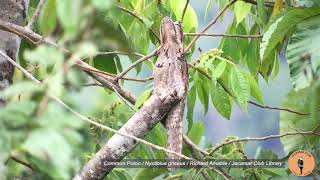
(240,87)
(241,10)
(218,70)
(254,88)
(220,100)
(303,55)
(144,96)
(277,30)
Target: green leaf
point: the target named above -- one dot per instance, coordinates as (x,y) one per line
(289,122)
(190,21)
(48,18)
(203,96)
(50,153)
(262,11)
(106,63)
(254,88)
(240,87)
(303,55)
(277,30)
(221,101)
(315,102)
(69,15)
(241,10)
(144,96)
(191,100)
(253,59)
(218,70)
(196,132)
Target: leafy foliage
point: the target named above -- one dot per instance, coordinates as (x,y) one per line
(57,144)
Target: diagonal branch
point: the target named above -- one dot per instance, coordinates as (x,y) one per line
(82,117)
(223,35)
(36,14)
(184,10)
(124,72)
(210,24)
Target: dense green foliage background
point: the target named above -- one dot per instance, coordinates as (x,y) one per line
(57,144)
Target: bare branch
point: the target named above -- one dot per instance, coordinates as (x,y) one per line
(223,35)
(22,162)
(193,146)
(153,53)
(280,109)
(184,10)
(36,14)
(139,18)
(264,138)
(210,24)
(37,39)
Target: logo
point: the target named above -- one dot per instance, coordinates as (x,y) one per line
(301,163)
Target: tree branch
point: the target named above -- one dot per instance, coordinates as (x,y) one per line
(153,114)
(36,14)
(184,10)
(264,138)
(24,163)
(124,72)
(223,35)
(210,24)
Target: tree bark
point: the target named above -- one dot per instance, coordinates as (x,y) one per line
(12,11)
(170,79)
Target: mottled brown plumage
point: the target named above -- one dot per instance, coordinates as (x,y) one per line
(170,74)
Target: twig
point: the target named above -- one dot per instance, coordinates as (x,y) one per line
(36,14)
(153,53)
(280,109)
(118,52)
(264,138)
(194,146)
(210,24)
(250,102)
(184,10)
(37,39)
(24,163)
(195,151)
(27,74)
(223,35)
(139,18)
